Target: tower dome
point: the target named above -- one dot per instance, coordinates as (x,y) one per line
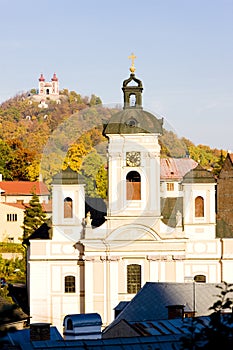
(133,119)
(54,78)
(41,78)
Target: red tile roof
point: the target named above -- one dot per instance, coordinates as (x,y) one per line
(12,188)
(175,168)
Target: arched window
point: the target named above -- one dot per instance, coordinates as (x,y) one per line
(133,186)
(69,326)
(200,278)
(69,284)
(133,278)
(47,91)
(199,207)
(68,207)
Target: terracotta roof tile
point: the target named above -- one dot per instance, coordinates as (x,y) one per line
(11,188)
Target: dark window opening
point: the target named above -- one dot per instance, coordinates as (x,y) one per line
(69,325)
(11,217)
(132,122)
(200,278)
(69,284)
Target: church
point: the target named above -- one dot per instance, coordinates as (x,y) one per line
(74,267)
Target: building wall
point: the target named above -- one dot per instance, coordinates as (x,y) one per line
(225,199)
(105,273)
(49,264)
(22,198)
(199,227)
(11,219)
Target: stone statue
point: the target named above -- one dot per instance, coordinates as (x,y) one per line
(178,219)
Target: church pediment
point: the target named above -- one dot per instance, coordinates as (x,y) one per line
(131,233)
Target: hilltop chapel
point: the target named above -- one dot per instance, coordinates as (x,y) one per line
(77,268)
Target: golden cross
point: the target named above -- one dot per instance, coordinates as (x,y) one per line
(132,57)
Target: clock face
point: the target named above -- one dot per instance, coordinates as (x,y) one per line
(133,158)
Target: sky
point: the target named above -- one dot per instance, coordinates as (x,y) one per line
(183,48)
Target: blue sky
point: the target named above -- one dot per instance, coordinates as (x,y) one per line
(184,52)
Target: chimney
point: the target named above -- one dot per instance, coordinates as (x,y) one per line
(175,311)
(39,331)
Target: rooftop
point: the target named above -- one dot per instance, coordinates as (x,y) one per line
(13,188)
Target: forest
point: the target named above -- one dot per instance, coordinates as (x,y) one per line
(38,141)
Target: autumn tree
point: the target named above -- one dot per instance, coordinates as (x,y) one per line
(102,182)
(91,166)
(34,216)
(75,156)
(5,160)
(95,100)
(171,145)
(21,158)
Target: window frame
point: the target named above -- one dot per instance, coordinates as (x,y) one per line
(200,278)
(199,207)
(68,208)
(134,278)
(70,284)
(133,188)
(170,186)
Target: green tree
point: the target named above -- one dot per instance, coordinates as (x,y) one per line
(34,216)
(90,168)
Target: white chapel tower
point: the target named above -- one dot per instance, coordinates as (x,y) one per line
(133,158)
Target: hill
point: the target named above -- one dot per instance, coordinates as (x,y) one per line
(36,140)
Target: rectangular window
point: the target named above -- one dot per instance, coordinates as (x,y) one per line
(133,278)
(170,186)
(69,284)
(11,217)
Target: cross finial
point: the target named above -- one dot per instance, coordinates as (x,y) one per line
(132,57)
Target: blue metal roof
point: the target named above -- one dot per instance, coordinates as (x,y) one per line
(80,320)
(151,302)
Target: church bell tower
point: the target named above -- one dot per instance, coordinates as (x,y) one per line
(133,156)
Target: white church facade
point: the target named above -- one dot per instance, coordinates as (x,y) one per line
(81,269)
(47,91)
